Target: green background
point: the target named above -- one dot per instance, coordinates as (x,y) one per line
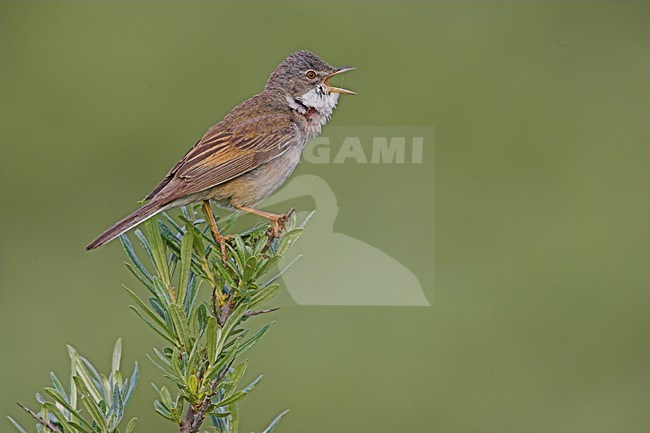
(535,203)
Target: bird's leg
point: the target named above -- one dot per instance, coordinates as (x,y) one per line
(279,220)
(218,237)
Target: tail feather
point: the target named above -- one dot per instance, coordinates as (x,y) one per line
(145,212)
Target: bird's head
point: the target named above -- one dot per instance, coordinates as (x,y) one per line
(303,78)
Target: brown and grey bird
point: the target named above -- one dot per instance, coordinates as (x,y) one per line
(244,158)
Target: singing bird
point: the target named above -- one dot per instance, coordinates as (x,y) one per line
(247,156)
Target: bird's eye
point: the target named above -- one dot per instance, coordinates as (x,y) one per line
(310,74)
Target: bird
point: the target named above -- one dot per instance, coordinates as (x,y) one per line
(248,155)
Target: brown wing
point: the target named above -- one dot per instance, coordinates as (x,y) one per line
(225,153)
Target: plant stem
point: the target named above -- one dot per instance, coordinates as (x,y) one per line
(195,417)
(38,418)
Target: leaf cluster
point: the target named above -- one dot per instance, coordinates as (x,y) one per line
(94,402)
(198,304)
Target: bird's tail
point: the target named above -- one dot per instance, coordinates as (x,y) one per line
(145,212)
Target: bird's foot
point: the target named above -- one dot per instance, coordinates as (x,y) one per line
(279,224)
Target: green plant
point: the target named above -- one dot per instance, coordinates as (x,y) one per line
(94,402)
(198,304)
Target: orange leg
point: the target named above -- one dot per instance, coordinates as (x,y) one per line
(279,220)
(218,237)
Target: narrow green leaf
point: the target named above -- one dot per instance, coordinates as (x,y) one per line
(133,382)
(158,250)
(18,426)
(220,414)
(144,243)
(199,234)
(235,398)
(117,355)
(202,316)
(279,274)
(181,329)
(162,293)
(177,363)
(169,374)
(211,339)
(166,397)
(191,296)
(158,406)
(83,427)
(126,244)
(147,284)
(234,419)
(265,294)
(180,405)
(90,404)
(275,422)
(171,221)
(44,414)
(235,317)
(58,387)
(240,249)
(193,384)
(269,264)
(222,363)
(220,424)
(227,331)
(236,266)
(254,339)
(105,389)
(164,358)
(187,214)
(74,358)
(307,219)
(236,376)
(195,357)
(103,407)
(252,385)
(91,369)
(169,238)
(160,310)
(250,270)
(235,338)
(225,273)
(83,374)
(131,425)
(148,311)
(186,263)
(63,402)
(60,418)
(118,405)
(260,245)
(288,239)
(151,325)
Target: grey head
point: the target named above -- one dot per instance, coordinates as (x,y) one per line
(302,79)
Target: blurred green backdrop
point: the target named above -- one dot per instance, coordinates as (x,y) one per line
(540,227)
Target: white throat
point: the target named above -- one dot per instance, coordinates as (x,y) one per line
(320,100)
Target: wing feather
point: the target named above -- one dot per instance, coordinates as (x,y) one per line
(226,152)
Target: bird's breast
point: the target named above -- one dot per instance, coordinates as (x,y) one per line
(256,185)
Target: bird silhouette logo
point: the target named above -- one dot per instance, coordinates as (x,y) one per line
(341,269)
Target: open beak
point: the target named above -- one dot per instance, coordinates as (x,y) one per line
(339,89)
